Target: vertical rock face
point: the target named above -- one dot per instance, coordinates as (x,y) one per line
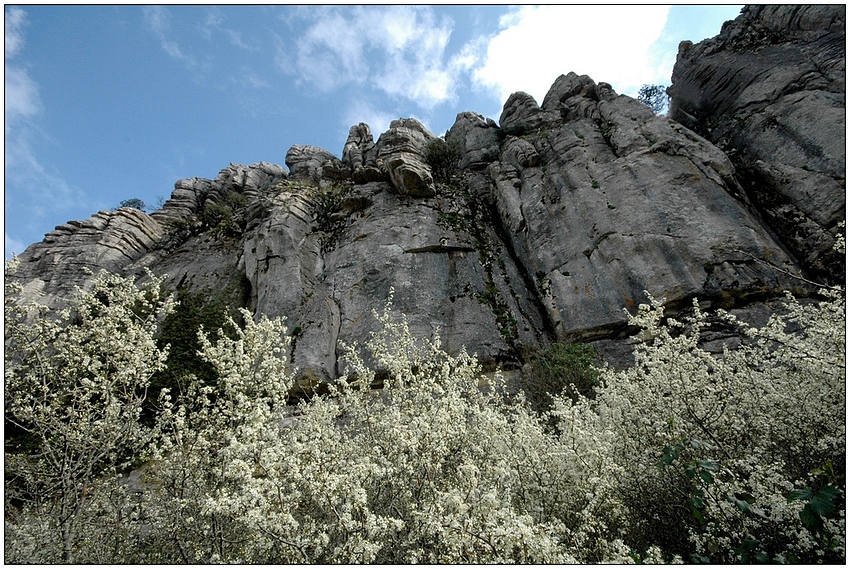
(770,91)
(603,200)
(542,228)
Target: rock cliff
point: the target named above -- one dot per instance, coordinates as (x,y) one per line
(770,91)
(507,237)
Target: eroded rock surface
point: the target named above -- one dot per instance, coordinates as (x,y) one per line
(542,228)
(73,252)
(770,91)
(607,200)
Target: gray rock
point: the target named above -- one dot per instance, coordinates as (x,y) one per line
(770,91)
(306,162)
(402,150)
(521,114)
(623,203)
(556,221)
(73,253)
(477,140)
(358,151)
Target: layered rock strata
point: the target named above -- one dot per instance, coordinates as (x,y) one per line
(540,228)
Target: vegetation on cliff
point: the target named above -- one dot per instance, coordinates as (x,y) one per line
(687,455)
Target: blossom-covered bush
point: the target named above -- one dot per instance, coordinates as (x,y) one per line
(687,455)
(721,455)
(434,468)
(75,383)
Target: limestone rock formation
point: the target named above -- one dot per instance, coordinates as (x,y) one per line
(307,162)
(541,228)
(770,91)
(604,200)
(402,151)
(70,254)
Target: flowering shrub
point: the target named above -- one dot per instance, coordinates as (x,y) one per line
(75,383)
(728,457)
(727,445)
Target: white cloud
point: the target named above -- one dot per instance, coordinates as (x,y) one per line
(35,186)
(21,100)
(537,44)
(401,50)
(13,29)
(361,111)
(159,21)
(213,26)
(12,246)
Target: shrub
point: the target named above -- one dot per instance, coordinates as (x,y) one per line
(562,368)
(728,448)
(655,97)
(75,383)
(134,203)
(443,159)
(226,217)
(722,458)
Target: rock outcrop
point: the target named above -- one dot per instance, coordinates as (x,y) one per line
(73,252)
(541,228)
(602,200)
(770,91)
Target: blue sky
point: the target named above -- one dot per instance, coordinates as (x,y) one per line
(106,103)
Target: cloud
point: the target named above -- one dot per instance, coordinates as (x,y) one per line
(537,44)
(12,246)
(21,100)
(213,27)
(361,111)
(35,186)
(400,50)
(13,27)
(159,22)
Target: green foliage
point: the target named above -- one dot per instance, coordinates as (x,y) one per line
(518,131)
(655,97)
(443,159)
(179,330)
(329,216)
(822,503)
(561,368)
(226,216)
(134,203)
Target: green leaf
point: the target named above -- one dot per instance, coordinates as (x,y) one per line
(708,465)
(697,502)
(803,494)
(740,502)
(690,471)
(811,520)
(706,476)
(822,500)
(698,515)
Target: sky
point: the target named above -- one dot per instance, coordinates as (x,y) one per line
(109,103)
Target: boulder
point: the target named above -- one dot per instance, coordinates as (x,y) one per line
(306,162)
(402,150)
(477,140)
(521,114)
